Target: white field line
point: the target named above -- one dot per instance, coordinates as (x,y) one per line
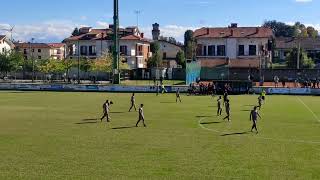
(258,137)
(315,116)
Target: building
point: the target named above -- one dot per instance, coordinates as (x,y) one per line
(5,44)
(168,49)
(94,43)
(236,47)
(42,51)
(283,46)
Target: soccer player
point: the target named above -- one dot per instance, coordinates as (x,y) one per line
(178,96)
(106,111)
(225,97)
(133,102)
(141,116)
(219,112)
(227,106)
(263,95)
(260,102)
(163,89)
(254,118)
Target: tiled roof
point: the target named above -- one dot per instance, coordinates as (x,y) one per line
(305,43)
(238,32)
(2,37)
(39,45)
(56,45)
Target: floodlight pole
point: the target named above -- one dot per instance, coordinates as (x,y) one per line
(116,54)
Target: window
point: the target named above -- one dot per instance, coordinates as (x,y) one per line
(32,50)
(204,50)
(25,51)
(58,51)
(83,50)
(164,55)
(211,50)
(221,50)
(123,50)
(110,49)
(252,50)
(39,57)
(39,50)
(241,50)
(26,57)
(92,50)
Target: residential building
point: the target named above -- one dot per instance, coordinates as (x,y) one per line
(5,44)
(236,47)
(42,51)
(94,43)
(168,49)
(283,46)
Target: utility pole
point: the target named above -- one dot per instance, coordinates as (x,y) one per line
(116,54)
(78,62)
(298,55)
(32,58)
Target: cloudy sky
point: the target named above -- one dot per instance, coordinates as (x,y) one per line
(52,21)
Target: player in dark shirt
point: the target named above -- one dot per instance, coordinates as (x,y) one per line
(254,118)
(178,96)
(225,97)
(133,102)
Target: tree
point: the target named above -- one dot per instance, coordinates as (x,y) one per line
(312,32)
(76,32)
(104,64)
(305,61)
(180,58)
(189,45)
(68,64)
(280,29)
(156,58)
(10,61)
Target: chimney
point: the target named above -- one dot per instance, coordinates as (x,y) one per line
(208,31)
(234,25)
(257,30)
(142,35)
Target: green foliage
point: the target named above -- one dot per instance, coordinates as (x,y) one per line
(85,65)
(305,61)
(104,64)
(281,29)
(180,58)
(156,59)
(10,61)
(53,66)
(155,47)
(190,45)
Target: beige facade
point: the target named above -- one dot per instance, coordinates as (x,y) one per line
(42,51)
(5,44)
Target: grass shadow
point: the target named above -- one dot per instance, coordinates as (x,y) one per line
(203,116)
(234,134)
(90,122)
(211,123)
(124,127)
(90,119)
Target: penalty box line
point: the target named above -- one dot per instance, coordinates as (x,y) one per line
(314,115)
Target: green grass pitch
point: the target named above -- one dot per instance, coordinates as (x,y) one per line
(50,135)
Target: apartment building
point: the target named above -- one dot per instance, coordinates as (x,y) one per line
(237,47)
(42,51)
(94,43)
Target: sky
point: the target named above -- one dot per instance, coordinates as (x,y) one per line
(52,21)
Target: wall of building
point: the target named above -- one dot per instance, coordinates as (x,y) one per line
(4,46)
(171,50)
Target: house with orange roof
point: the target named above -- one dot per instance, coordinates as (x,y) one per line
(235,47)
(42,51)
(93,43)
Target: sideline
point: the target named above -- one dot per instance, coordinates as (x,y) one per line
(258,137)
(315,116)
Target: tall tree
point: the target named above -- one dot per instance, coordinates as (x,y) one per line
(156,59)
(180,58)
(189,45)
(280,29)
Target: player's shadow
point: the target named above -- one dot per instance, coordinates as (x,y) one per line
(87,122)
(245,110)
(235,134)
(124,127)
(203,116)
(204,123)
(167,102)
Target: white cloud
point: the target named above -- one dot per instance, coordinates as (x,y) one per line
(102,24)
(169,31)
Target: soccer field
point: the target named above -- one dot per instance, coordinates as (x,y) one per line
(51,135)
